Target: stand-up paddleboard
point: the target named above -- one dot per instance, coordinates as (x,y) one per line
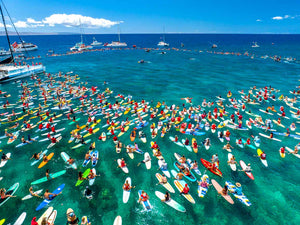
(203,190)
(165,185)
(171,202)
(52,176)
(2,221)
(266,136)
(46,201)
(147,162)
(180,185)
(189,148)
(46,215)
(30,196)
(3,163)
(195,149)
(219,189)
(232,166)
(43,163)
(21,219)
(248,145)
(52,144)
(164,170)
(10,191)
(66,157)
(103,136)
(92,181)
(146,204)
(52,217)
(79,145)
(84,175)
(176,142)
(190,163)
(41,157)
(290,150)
(242,198)
(95,161)
(48,139)
(259,152)
(282,155)
(118,220)
(249,174)
(126,194)
(125,168)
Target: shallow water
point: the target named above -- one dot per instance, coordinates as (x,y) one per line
(177,74)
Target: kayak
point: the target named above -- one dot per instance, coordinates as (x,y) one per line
(203,190)
(165,185)
(92,181)
(232,166)
(125,168)
(41,157)
(177,142)
(180,184)
(219,189)
(171,202)
(259,152)
(48,158)
(208,164)
(242,198)
(191,177)
(126,194)
(266,136)
(30,196)
(146,204)
(47,201)
(290,150)
(249,174)
(66,157)
(84,175)
(3,163)
(52,176)
(21,219)
(10,191)
(189,148)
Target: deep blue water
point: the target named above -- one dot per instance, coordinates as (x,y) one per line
(188,71)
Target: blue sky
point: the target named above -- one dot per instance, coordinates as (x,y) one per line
(138,16)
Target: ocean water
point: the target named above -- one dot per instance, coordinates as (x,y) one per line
(184,71)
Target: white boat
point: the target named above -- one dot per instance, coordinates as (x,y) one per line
(255,45)
(9,69)
(4,52)
(163,43)
(95,42)
(11,72)
(214,46)
(116,43)
(23,46)
(80,46)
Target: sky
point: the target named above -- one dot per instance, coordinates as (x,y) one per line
(138,16)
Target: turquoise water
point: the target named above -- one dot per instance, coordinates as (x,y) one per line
(177,74)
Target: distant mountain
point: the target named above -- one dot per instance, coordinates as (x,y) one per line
(2,33)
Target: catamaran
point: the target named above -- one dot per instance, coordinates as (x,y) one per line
(95,42)
(80,46)
(163,43)
(23,46)
(9,69)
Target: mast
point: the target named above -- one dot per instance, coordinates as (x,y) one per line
(12,56)
(119,34)
(164,34)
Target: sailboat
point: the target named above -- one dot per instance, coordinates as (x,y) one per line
(95,42)
(163,43)
(80,46)
(255,45)
(9,69)
(116,43)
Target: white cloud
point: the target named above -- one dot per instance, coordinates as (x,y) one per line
(73,20)
(21,24)
(258,20)
(30,20)
(286,16)
(7,25)
(277,18)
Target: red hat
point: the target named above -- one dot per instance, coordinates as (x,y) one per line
(186,185)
